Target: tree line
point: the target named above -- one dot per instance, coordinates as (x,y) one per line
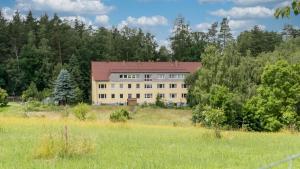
(34,50)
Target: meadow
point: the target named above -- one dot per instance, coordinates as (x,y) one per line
(153,139)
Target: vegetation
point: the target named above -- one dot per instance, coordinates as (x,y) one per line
(119,116)
(117,145)
(3,97)
(159,102)
(258,93)
(81,110)
(287,10)
(64,89)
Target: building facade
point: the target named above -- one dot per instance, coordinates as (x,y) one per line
(116,82)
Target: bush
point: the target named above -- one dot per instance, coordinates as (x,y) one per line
(33,106)
(210,117)
(119,116)
(3,97)
(81,110)
(159,102)
(60,146)
(31,93)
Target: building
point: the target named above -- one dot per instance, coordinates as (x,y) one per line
(116,82)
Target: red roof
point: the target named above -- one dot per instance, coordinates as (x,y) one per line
(102,70)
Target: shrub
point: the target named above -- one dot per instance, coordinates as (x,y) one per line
(31,93)
(81,110)
(3,97)
(119,116)
(210,117)
(60,146)
(159,102)
(33,106)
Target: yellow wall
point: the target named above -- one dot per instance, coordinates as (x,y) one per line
(142,91)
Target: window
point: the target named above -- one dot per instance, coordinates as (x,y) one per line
(113,96)
(137,86)
(129,86)
(102,86)
(102,96)
(173,86)
(183,95)
(129,76)
(161,76)
(173,76)
(121,76)
(181,76)
(112,86)
(148,96)
(148,77)
(173,95)
(129,96)
(148,86)
(160,86)
(138,96)
(125,76)
(121,86)
(183,86)
(160,95)
(121,96)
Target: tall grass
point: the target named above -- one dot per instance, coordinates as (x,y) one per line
(129,145)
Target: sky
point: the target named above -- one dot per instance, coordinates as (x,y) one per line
(157,16)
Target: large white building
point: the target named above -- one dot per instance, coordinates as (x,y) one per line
(116,82)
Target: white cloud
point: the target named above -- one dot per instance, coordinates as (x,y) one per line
(144,21)
(236,26)
(71,6)
(247,12)
(8,13)
(102,20)
(203,27)
(243,2)
(71,20)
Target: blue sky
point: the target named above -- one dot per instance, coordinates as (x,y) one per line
(157,16)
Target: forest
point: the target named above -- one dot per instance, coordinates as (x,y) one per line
(239,78)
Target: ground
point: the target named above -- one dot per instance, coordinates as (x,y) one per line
(154,139)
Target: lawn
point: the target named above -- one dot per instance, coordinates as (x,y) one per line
(150,140)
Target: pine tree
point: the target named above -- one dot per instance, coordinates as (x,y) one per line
(225,35)
(64,90)
(212,33)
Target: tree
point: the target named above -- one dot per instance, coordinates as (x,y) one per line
(31,93)
(64,91)
(278,98)
(163,54)
(225,35)
(181,40)
(257,41)
(290,32)
(286,11)
(3,97)
(213,117)
(212,33)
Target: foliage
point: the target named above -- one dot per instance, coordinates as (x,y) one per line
(278,98)
(119,116)
(64,91)
(286,11)
(257,41)
(52,146)
(81,110)
(3,97)
(31,93)
(159,102)
(221,98)
(225,35)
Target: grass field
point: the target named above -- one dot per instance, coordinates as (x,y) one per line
(147,141)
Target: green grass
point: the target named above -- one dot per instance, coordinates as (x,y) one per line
(149,141)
